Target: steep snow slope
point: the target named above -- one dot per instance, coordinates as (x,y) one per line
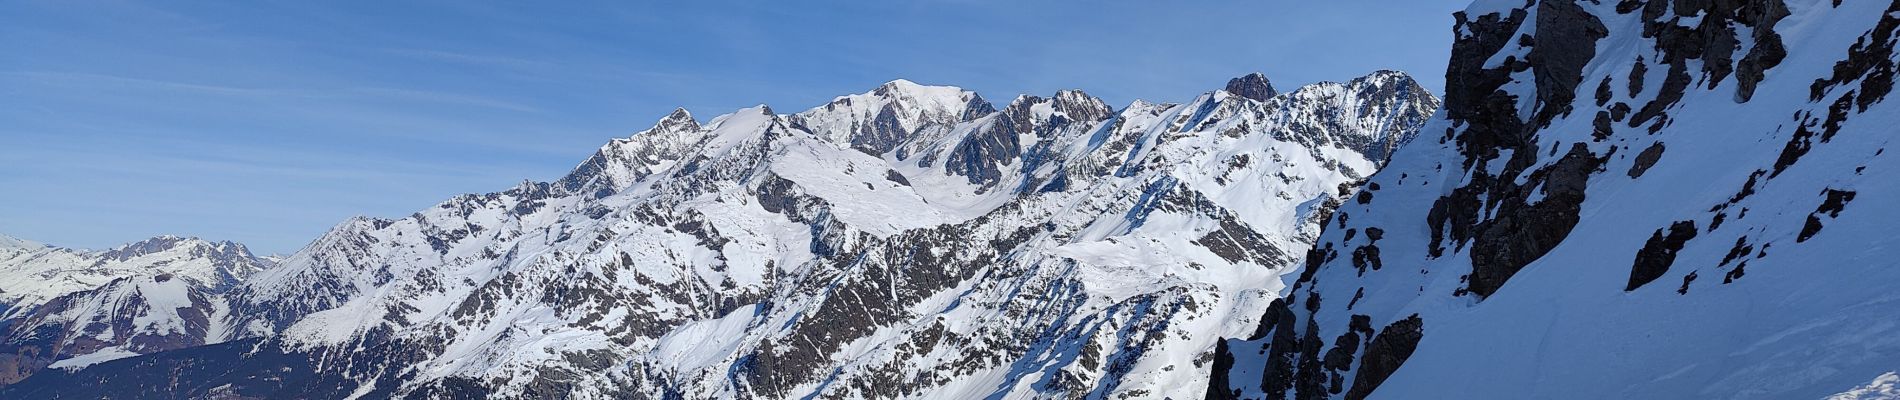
(909,241)
(1622,199)
(71,308)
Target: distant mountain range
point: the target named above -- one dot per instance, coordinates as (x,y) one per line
(67,308)
(909,240)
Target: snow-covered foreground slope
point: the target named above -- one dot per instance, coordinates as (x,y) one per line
(909,241)
(68,308)
(1622,199)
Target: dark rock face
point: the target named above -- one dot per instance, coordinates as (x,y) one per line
(977,108)
(1768,51)
(883,134)
(1797,146)
(1218,387)
(1387,352)
(981,157)
(1870,57)
(1253,86)
(1471,94)
(1646,159)
(893,176)
(1236,242)
(1656,256)
(1712,40)
(1831,208)
(1523,231)
(1566,41)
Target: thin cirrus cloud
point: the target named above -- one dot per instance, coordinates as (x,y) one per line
(268,122)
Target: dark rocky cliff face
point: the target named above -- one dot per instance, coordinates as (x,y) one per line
(1253,86)
(1544,98)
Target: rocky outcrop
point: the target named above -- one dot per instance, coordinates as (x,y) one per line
(1253,86)
(1657,254)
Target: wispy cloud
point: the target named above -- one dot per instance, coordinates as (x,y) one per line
(83,79)
(94,80)
(443,97)
(479,60)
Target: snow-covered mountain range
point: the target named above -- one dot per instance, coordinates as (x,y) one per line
(1621,199)
(69,308)
(908,241)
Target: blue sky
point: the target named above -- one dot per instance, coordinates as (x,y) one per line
(267,122)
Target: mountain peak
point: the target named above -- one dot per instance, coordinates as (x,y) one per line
(896,85)
(9,242)
(1390,73)
(154,244)
(1073,94)
(1081,106)
(222,250)
(898,91)
(677,121)
(1252,86)
(1065,100)
(1386,77)
(878,121)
